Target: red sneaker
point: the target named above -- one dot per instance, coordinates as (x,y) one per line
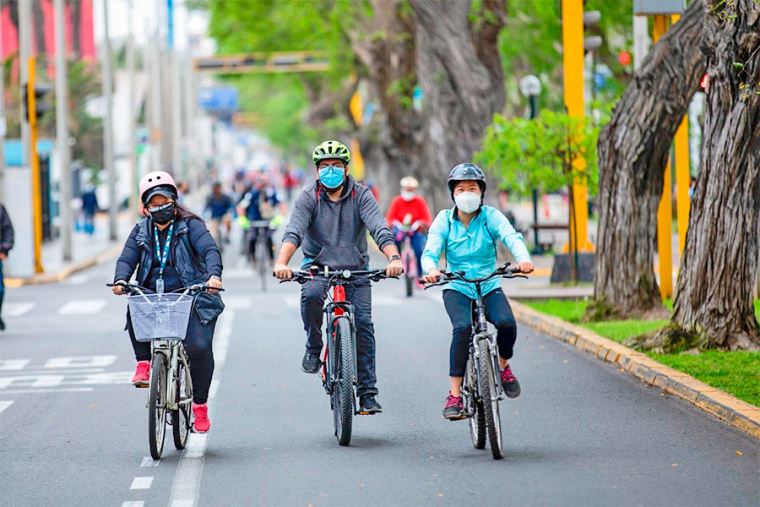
(142,374)
(201,423)
(454,408)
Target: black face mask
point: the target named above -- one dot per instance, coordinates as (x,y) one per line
(163,214)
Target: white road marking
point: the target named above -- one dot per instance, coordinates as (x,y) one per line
(213,389)
(77,279)
(48,381)
(13,364)
(40,381)
(42,391)
(4,405)
(187,481)
(237,302)
(80,362)
(141,483)
(133,504)
(82,307)
(17,309)
(73,371)
(148,462)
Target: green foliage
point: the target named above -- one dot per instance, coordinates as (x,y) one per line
(539,153)
(531,43)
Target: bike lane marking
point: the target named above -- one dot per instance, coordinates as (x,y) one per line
(17,309)
(82,307)
(133,504)
(187,480)
(4,405)
(142,482)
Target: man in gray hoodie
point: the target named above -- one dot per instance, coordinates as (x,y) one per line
(329,222)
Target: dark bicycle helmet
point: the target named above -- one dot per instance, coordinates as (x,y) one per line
(467,172)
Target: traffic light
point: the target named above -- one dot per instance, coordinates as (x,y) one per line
(36,102)
(591,20)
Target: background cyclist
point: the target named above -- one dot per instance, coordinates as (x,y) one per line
(191,257)
(261,202)
(411,207)
(220,207)
(467,234)
(330,222)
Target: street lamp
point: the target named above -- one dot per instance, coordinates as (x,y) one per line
(530,87)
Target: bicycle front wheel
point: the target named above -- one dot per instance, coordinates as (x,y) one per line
(343,388)
(181,418)
(489,395)
(478,419)
(157,406)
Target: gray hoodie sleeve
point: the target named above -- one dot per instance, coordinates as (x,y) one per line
(300,219)
(373,219)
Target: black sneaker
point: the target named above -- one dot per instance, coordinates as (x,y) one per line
(368,405)
(2,324)
(509,383)
(311,362)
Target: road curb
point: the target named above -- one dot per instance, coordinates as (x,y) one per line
(737,413)
(62,275)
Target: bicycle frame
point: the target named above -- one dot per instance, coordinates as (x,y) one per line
(336,307)
(174,353)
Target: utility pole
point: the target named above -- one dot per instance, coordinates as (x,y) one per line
(108,126)
(3,127)
(62,129)
(133,197)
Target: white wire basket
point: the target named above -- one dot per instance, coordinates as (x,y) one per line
(160,316)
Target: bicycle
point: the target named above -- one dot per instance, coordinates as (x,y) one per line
(162,320)
(481,387)
(406,230)
(338,375)
(260,250)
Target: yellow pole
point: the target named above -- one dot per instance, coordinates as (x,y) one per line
(357,161)
(665,209)
(683,202)
(34,164)
(572,61)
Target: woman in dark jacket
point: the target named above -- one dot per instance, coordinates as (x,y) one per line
(172,248)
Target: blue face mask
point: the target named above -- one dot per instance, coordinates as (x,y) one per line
(332,177)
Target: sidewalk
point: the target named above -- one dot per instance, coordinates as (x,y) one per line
(87,251)
(537,286)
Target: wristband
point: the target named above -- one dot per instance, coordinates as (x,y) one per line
(395,257)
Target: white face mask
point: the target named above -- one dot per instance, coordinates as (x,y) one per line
(407,196)
(469,202)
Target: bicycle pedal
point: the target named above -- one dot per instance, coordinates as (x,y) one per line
(141,385)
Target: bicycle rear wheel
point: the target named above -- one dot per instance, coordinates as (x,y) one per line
(181,418)
(489,396)
(343,389)
(157,406)
(478,419)
(262,260)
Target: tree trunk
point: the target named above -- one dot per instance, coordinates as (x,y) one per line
(714,295)
(633,150)
(459,69)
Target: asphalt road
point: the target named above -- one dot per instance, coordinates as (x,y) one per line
(74,432)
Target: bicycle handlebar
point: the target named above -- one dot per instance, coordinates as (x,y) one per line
(503,272)
(304,276)
(140,290)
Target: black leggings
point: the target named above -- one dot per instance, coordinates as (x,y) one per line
(498,313)
(199,352)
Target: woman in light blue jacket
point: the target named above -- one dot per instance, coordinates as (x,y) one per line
(467,234)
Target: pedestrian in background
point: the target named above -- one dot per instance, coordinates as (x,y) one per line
(6,244)
(89,208)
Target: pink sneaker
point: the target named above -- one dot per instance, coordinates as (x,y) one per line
(202,423)
(142,374)
(453,408)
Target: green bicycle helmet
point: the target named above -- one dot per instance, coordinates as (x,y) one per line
(331,149)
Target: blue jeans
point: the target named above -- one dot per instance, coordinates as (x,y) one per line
(498,313)
(2,286)
(313,294)
(418,245)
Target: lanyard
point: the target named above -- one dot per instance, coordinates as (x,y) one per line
(163,258)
